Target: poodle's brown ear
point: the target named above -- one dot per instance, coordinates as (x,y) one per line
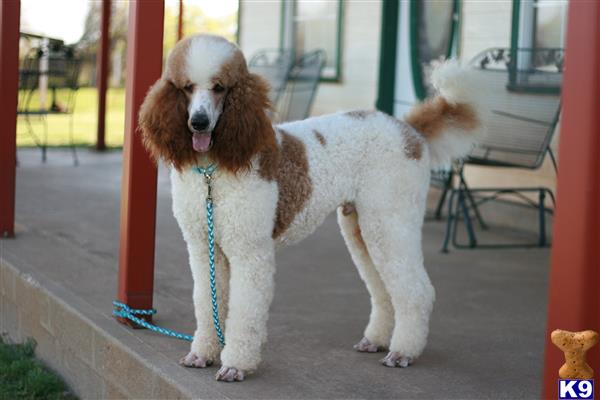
(163,123)
(244,129)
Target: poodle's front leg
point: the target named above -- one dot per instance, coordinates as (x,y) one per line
(205,346)
(251,291)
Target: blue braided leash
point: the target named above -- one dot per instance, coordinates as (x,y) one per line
(207,172)
(124,311)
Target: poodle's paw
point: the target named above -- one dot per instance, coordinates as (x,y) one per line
(395,359)
(365,346)
(230,374)
(194,360)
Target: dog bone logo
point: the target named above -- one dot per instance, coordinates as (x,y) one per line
(574,345)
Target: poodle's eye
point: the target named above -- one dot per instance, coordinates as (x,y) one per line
(218,88)
(189,88)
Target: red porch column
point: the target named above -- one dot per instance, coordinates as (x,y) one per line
(180,21)
(102,72)
(138,190)
(9,81)
(574,298)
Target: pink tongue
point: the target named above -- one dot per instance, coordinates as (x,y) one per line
(201,142)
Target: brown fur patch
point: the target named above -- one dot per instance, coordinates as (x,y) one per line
(163,123)
(244,129)
(269,163)
(320,137)
(289,166)
(352,218)
(412,145)
(361,114)
(413,140)
(432,116)
(176,64)
(359,239)
(348,208)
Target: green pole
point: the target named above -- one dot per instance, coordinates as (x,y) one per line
(387,58)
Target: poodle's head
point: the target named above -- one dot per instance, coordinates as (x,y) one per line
(207,103)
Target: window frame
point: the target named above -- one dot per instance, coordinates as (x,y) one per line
(286,27)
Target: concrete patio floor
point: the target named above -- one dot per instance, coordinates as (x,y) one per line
(487,329)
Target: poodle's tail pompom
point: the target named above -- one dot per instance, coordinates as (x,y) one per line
(452,120)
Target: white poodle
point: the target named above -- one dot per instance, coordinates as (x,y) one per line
(275,184)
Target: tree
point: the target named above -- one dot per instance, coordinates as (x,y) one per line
(87,46)
(194,19)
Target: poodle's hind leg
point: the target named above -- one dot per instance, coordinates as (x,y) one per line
(381,321)
(205,347)
(394,242)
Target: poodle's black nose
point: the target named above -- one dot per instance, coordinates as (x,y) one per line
(199,121)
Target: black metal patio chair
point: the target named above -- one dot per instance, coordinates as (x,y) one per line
(59,65)
(523,99)
(302,87)
(274,65)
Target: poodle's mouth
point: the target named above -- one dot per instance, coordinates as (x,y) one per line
(201,141)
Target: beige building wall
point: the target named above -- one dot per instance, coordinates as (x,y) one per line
(488,24)
(361,36)
(361,26)
(259,25)
(484,24)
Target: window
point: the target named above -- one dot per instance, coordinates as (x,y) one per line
(537,45)
(550,23)
(309,25)
(433,36)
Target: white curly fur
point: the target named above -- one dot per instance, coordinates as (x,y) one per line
(364,160)
(456,84)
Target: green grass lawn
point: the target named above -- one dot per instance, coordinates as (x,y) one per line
(85,119)
(24,377)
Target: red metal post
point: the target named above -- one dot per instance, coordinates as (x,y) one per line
(180,21)
(102,73)
(574,297)
(9,81)
(138,190)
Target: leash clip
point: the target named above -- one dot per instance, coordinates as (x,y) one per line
(207,172)
(208,180)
